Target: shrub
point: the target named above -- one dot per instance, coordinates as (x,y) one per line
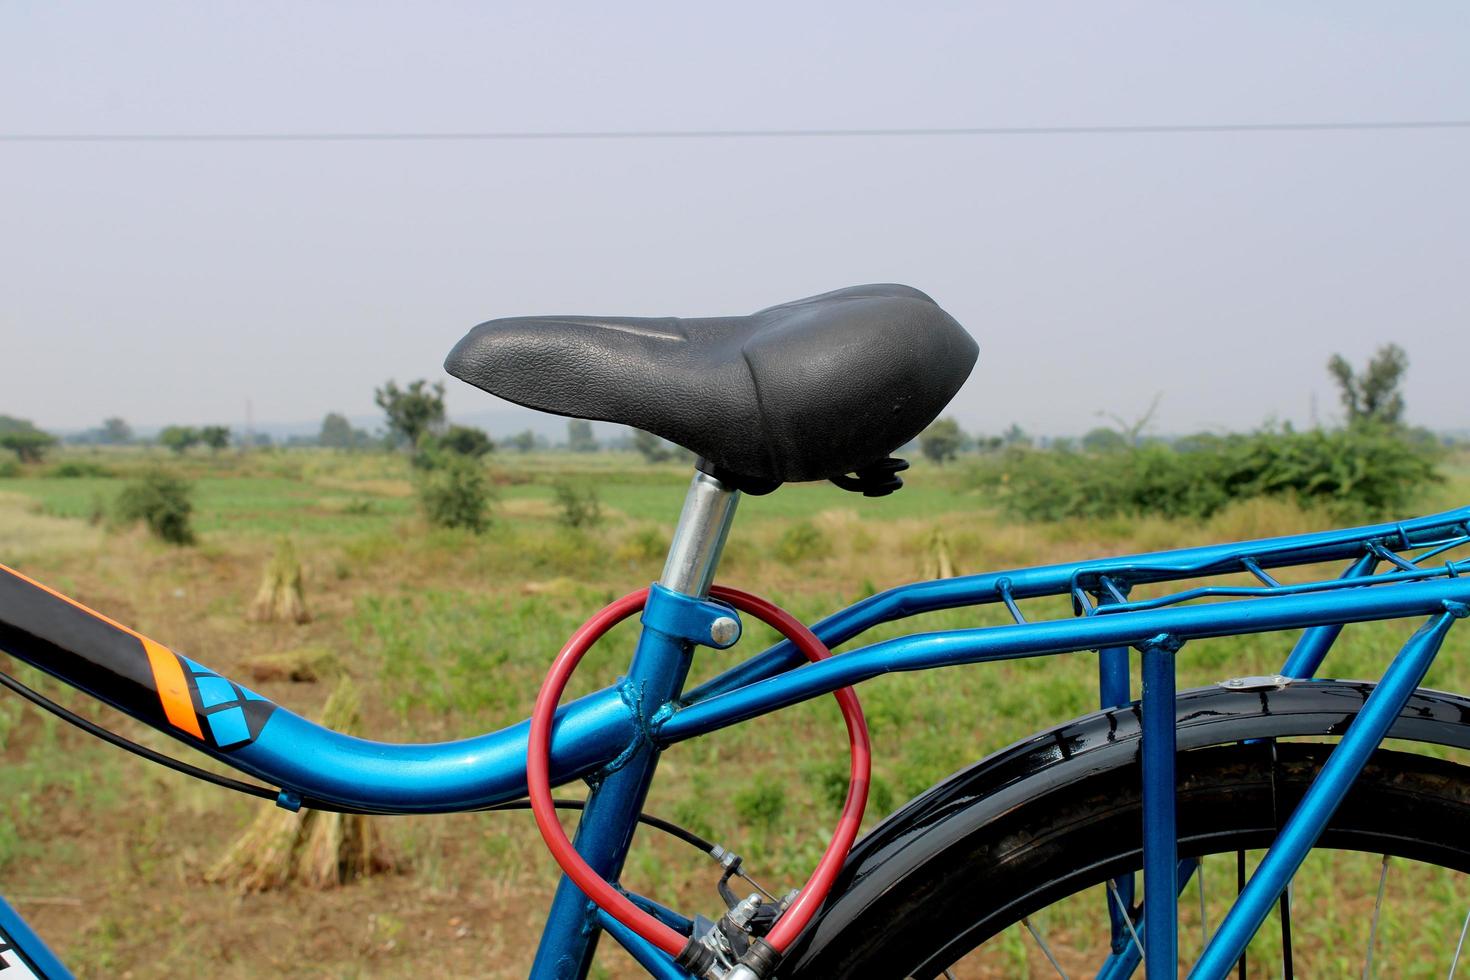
(457,440)
(1363,471)
(645,544)
(9,469)
(74,469)
(454,493)
(577,506)
(802,541)
(161,501)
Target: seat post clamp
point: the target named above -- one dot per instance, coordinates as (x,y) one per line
(707,622)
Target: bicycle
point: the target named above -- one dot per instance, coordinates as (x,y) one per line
(827,388)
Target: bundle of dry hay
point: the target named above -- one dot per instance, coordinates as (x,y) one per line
(281,597)
(316,849)
(299,665)
(938,563)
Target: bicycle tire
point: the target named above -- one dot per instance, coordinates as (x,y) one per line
(971,881)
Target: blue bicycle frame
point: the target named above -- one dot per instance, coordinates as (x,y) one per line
(613,738)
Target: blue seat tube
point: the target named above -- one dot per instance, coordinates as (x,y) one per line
(605,830)
(655,677)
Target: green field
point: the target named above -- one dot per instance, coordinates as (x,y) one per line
(447,634)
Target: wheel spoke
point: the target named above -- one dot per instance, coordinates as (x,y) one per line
(1377,910)
(1026,921)
(1288,964)
(1459,946)
(1127,918)
(1240,887)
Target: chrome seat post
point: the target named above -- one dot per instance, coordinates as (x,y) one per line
(699,538)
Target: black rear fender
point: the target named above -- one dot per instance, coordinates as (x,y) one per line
(1084,748)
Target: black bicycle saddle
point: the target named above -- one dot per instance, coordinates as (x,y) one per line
(808,390)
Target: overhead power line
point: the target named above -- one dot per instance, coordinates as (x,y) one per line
(729,134)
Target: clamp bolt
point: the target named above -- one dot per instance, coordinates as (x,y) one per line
(723,631)
(1268,682)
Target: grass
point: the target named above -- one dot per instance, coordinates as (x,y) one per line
(448,634)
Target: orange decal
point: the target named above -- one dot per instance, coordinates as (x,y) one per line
(168,675)
(173,690)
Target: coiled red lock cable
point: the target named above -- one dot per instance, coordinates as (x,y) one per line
(608,898)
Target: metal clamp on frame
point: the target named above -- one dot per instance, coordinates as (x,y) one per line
(708,622)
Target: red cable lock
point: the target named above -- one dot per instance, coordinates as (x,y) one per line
(608,898)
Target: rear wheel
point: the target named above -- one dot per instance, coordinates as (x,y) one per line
(1026,892)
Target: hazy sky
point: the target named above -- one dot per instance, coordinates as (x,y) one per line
(171,282)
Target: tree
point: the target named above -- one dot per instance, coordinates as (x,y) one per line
(115,432)
(179,438)
(579,436)
(1374,395)
(942,440)
(1132,431)
(216,437)
(522,442)
(1016,436)
(336,432)
(22,437)
(412,412)
(651,447)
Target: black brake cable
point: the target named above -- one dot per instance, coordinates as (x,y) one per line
(112,738)
(266,793)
